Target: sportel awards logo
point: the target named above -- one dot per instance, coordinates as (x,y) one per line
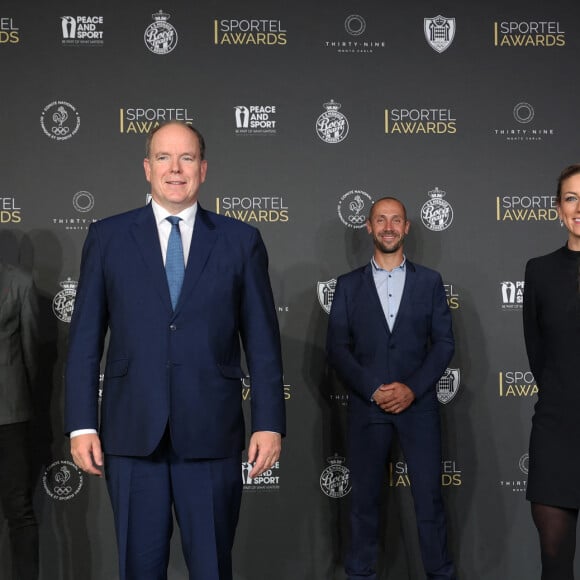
(439,32)
(62,480)
(448,385)
(252,32)
(82,30)
(420,122)
(335,479)
(63,302)
(451,475)
(514,33)
(355,41)
(160,36)
(517,384)
(141,120)
(453,300)
(526,208)
(524,113)
(325,293)
(59,120)
(257,209)
(9,34)
(437,213)
(10,212)
(255,119)
(332,126)
(268,481)
(247,389)
(518,483)
(353,208)
(512,295)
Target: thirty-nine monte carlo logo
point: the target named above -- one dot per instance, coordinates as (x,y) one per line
(354,38)
(353,208)
(140,120)
(62,480)
(160,36)
(59,120)
(63,302)
(82,30)
(404,121)
(526,127)
(512,295)
(254,209)
(519,482)
(526,208)
(439,32)
(249,32)
(332,126)
(9,34)
(448,385)
(83,203)
(528,33)
(437,213)
(255,119)
(335,479)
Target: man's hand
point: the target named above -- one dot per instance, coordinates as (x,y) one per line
(394,397)
(87,454)
(264,451)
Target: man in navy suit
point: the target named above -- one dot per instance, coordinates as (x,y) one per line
(171,426)
(390,340)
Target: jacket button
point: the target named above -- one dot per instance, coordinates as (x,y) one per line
(172,327)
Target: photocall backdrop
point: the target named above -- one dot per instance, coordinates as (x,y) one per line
(465,111)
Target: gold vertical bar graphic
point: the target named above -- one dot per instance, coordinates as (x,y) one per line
(501,384)
(121,120)
(217,204)
(215,31)
(386,120)
(498,211)
(495,35)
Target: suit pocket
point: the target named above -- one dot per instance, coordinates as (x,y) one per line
(231,371)
(116,368)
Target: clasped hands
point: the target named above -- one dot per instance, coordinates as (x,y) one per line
(393,397)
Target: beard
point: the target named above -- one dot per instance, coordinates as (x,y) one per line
(393,246)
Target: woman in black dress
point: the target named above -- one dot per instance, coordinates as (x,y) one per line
(552,333)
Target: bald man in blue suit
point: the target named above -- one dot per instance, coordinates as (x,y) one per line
(390,339)
(171,427)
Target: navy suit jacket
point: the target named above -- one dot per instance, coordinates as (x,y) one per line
(180,367)
(366,353)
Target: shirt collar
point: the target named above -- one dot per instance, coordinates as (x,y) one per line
(402,266)
(187,215)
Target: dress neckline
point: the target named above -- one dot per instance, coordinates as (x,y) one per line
(570,254)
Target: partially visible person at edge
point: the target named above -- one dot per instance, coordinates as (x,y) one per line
(552,333)
(178,288)
(390,339)
(18,370)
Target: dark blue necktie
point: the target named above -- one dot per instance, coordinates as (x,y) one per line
(174,262)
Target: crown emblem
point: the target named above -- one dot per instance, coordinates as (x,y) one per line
(436,193)
(332,105)
(161,16)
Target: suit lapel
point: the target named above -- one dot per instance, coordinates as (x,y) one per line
(372,289)
(202,242)
(145,234)
(408,290)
